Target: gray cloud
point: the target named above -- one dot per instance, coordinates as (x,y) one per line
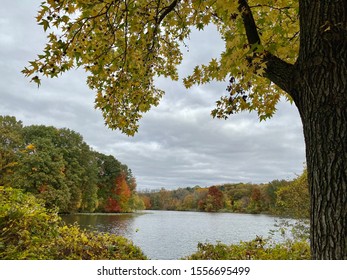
(178,144)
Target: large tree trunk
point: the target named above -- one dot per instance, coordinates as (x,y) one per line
(318,85)
(325,130)
(320,93)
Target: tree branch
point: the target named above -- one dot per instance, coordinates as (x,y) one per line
(167,10)
(278,71)
(158,19)
(249,23)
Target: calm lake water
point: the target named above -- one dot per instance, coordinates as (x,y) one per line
(166,235)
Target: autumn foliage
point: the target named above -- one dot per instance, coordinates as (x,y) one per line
(284,198)
(57,166)
(214,200)
(118,202)
(29,231)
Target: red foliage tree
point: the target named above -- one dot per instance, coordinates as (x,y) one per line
(214,200)
(112,205)
(147,201)
(118,202)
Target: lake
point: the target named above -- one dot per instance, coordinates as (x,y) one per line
(165,235)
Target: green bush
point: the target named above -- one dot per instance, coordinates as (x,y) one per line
(257,249)
(30,231)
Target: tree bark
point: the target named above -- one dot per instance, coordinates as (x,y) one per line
(320,93)
(325,131)
(323,110)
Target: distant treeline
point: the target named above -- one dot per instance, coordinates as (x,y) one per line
(57,166)
(279,197)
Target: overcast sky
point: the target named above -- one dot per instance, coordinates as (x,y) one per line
(179,144)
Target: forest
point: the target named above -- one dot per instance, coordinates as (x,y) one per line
(279,197)
(57,166)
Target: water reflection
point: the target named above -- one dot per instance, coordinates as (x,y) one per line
(119,224)
(172,234)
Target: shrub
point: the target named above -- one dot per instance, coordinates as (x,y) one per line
(257,249)
(30,231)
(75,244)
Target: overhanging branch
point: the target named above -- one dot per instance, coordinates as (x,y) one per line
(249,23)
(277,70)
(167,10)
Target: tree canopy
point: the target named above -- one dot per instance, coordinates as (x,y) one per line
(124,45)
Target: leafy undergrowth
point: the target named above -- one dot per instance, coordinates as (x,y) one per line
(257,249)
(30,231)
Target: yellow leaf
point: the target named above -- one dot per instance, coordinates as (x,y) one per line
(30,147)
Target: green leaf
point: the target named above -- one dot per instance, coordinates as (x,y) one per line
(45,24)
(36,80)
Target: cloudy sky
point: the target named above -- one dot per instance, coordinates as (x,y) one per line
(178,144)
